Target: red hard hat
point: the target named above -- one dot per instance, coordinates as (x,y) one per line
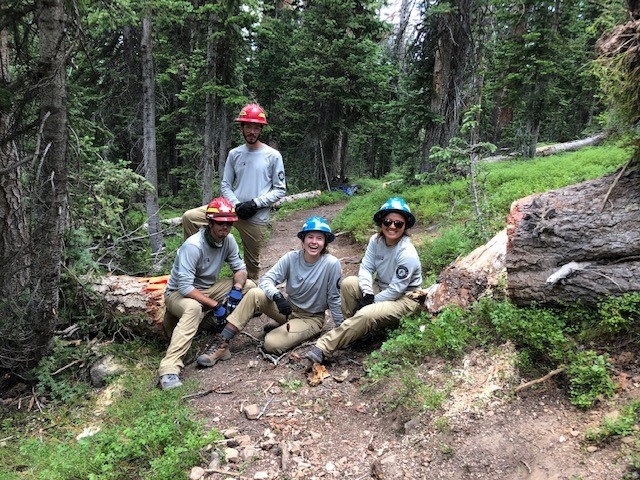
(252,113)
(222,210)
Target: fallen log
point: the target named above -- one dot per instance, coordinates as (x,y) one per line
(575,244)
(570,146)
(553,149)
(297,196)
(468,278)
(176,221)
(140,300)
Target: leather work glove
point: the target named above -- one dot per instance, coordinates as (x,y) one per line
(233,299)
(368,299)
(284,307)
(246,210)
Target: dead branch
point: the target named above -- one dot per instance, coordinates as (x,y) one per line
(539,380)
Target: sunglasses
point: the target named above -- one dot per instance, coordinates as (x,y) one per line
(396,223)
(226,224)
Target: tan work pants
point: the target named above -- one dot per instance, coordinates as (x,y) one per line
(182,319)
(299,327)
(371,318)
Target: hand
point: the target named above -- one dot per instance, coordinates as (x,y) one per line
(221,314)
(368,299)
(233,299)
(284,307)
(214,320)
(246,210)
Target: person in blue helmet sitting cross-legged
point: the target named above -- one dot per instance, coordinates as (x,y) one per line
(312,277)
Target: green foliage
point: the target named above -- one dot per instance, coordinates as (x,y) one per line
(106,220)
(415,393)
(54,376)
(438,252)
(589,378)
(539,331)
(146,433)
(620,425)
(291,384)
(418,337)
(616,316)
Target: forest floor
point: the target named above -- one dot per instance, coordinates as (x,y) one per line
(278,426)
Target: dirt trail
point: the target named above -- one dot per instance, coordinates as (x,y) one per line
(339,429)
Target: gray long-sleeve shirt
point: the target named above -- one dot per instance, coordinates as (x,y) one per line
(254,175)
(198,265)
(397,268)
(313,287)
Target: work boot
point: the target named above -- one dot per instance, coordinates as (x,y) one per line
(217,351)
(170,380)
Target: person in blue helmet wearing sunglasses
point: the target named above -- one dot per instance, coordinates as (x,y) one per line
(375,299)
(312,277)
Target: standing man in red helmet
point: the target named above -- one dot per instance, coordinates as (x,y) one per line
(253,180)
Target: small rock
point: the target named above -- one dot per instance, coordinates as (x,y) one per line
(196,473)
(330,467)
(103,368)
(262,475)
(232,455)
(230,432)
(592,449)
(244,440)
(252,411)
(249,452)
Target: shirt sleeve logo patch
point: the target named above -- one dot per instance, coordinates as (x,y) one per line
(402,272)
(281,176)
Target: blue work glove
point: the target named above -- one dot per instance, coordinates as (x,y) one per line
(246,210)
(214,320)
(368,299)
(221,314)
(284,307)
(233,299)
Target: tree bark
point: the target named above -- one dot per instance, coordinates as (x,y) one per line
(140,300)
(468,278)
(149,128)
(50,196)
(14,235)
(576,244)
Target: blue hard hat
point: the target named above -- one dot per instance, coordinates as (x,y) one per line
(397,205)
(317,224)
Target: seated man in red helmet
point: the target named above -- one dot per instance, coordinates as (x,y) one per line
(194,288)
(375,299)
(312,278)
(253,180)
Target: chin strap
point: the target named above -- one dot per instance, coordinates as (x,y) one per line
(209,239)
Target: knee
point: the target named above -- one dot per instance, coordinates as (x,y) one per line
(350,287)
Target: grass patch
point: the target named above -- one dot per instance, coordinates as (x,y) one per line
(144,433)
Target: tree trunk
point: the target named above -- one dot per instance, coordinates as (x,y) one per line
(149,129)
(452,61)
(578,243)
(14,236)
(141,300)
(50,196)
(467,279)
(210,117)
